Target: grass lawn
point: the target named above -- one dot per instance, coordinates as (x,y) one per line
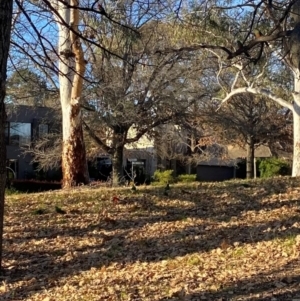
(237,240)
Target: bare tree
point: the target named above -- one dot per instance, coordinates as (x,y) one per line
(148,88)
(190,141)
(256,37)
(68,61)
(249,121)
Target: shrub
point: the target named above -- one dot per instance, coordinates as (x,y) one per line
(274,167)
(186,178)
(11,191)
(164,177)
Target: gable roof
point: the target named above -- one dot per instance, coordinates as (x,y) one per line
(235,152)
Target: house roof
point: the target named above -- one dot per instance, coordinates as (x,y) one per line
(233,153)
(218,162)
(261,151)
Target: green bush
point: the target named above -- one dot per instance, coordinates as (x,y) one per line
(273,167)
(164,177)
(11,191)
(186,178)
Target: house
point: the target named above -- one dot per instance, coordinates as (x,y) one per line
(24,125)
(216,170)
(140,156)
(166,150)
(237,152)
(226,167)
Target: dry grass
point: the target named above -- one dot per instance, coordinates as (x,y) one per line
(223,241)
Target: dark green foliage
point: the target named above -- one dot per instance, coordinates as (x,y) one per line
(274,167)
(27,85)
(11,191)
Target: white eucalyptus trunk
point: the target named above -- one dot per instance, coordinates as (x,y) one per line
(71,68)
(296,126)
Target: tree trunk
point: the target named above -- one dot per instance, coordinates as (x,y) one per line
(294,62)
(296,128)
(74,165)
(6,7)
(117,165)
(250,158)
(2,159)
(72,69)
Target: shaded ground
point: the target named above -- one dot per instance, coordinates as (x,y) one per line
(224,241)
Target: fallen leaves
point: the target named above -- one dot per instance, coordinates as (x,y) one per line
(115,199)
(231,241)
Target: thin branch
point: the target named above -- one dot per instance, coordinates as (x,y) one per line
(231,55)
(40,38)
(63,22)
(96,138)
(158,122)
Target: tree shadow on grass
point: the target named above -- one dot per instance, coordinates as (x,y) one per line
(223,203)
(121,244)
(275,285)
(47,266)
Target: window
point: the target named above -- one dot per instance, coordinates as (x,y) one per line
(19,133)
(43,130)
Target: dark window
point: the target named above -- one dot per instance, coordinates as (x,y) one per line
(19,133)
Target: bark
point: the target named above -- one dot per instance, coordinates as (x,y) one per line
(250,158)
(294,47)
(117,165)
(116,151)
(294,62)
(6,7)
(296,128)
(74,165)
(295,12)
(72,69)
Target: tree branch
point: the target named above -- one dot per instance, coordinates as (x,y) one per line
(231,55)
(256,91)
(96,138)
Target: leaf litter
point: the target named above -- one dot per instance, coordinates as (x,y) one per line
(236,240)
